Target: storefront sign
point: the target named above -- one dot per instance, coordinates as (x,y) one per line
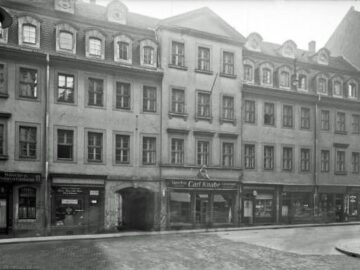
(94,193)
(69,190)
(15,177)
(69,201)
(202,184)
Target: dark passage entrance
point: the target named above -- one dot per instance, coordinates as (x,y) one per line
(137,209)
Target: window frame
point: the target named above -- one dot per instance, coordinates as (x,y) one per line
(338,167)
(87,79)
(281,70)
(339,130)
(249,63)
(303,74)
(148,43)
(287,120)
(27,217)
(154,100)
(197,105)
(173,101)
(5,139)
(325,163)
(38,84)
(177,55)
(318,78)
(251,156)
(287,160)
(103,146)
(231,154)
(64,27)
(223,108)
(175,152)
(155,150)
(71,159)
(308,165)
(125,39)
(271,157)
(273,116)
(355,162)
(130,96)
(75,143)
(230,64)
(355,123)
(263,67)
(337,81)
(67,74)
(94,34)
(127,135)
(38,153)
(197,153)
(352,82)
(4,37)
(199,60)
(250,112)
(28,20)
(326,121)
(305,121)
(5,93)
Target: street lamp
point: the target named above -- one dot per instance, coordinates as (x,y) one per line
(5,18)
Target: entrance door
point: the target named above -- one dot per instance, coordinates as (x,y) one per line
(3,216)
(201,207)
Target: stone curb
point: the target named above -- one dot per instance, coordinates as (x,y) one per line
(348,252)
(131,234)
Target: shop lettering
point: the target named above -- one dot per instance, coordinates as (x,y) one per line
(20,177)
(200,184)
(203,184)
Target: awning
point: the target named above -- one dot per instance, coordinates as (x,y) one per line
(180,196)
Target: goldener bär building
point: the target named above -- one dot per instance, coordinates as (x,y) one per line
(110,120)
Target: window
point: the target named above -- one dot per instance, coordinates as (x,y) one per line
(287,159)
(249,156)
(356,162)
(204,59)
(338,89)
(148,55)
(95,146)
(29,33)
(352,91)
(356,123)
(203,109)
(228,63)
(95,46)
(228,108)
(268,157)
(149,99)
(228,154)
(123,50)
(302,82)
(325,120)
(249,111)
(122,96)
(65,88)
(248,73)
(149,150)
(203,152)
(177,151)
(65,144)
(96,92)
(287,116)
(325,161)
(269,114)
(3,88)
(27,142)
(28,83)
(66,40)
(340,161)
(27,203)
(340,122)
(322,85)
(305,118)
(2,139)
(178,54)
(284,79)
(3,35)
(266,76)
(304,160)
(178,101)
(122,149)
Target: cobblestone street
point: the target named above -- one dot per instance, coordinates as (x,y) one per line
(191,251)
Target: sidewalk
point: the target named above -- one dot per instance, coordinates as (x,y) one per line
(350,247)
(141,233)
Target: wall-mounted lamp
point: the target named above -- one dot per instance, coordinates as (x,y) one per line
(5,18)
(255,193)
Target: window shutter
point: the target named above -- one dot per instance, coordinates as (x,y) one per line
(345,90)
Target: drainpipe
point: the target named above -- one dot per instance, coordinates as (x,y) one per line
(315,175)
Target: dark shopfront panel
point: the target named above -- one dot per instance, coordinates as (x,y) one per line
(352,204)
(77,209)
(200,205)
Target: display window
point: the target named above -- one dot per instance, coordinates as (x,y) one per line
(302,205)
(223,207)
(326,205)
(180,207)
(69,211)
(264,205)
(353,205)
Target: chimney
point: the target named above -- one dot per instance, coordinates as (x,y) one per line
(312,46)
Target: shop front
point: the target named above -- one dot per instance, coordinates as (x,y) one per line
(77,206)
(352,204)
(331,204)
(195,203)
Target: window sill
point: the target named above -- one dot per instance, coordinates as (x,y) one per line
(4,157)
(123,61)
(69,161)
(32,99)
(149,66)
(207,72)
(95,162)
(65,103)
(4,95)
(178,115)
(340,173)
(340,132)
(124,164)
(123,109)
(231,121)
(177,67)
(230,76)
(101,107)
(28,159)
(203,118)
(30,220)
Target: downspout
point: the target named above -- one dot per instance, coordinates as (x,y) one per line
(315,175)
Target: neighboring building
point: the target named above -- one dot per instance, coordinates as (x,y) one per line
(345,39)
(300,134)
(201,101)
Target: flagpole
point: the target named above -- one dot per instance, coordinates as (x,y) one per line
(212,87)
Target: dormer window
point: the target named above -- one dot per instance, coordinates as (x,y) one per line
(3,34)
(123,49)
(266,76)
(302,82)
(352,89)
(248,71)
(29,31)
(253,42)
(95,44)
(288,49)
(322,57)
(337,88)
(65,38)
(322,85)
(284,77)
(148,53)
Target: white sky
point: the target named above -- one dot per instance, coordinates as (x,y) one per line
(275,20)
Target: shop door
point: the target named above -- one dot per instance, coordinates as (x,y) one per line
(201,207)
(3,215)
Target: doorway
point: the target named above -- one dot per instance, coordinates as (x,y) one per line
(4,221)
(201,209)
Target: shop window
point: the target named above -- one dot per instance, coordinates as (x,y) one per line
(302,205)
(123,96)
(3,79)
(123,49)
(325,120)
(148,53)
(269,114)
(122,149)
(355,162)
(149,99)
(268,157)
(228,63)
(352,90)
(27,203)
(305,118)
(249,156)
(356,124)
(337,88)
(340,122)
(228,154)
(177,100)
(177,151)
(250,111)
(203,105)
(223,207)
(327,206)
(204,59)
(340,162)
(95,147)
(203,153)
(69,210)
(65,144)
(264,206)
(96,92)
(178,54)
(65,88)
(287,116)
(228,108)
(284,79)
(325,161)
(302,80)
(28,83)
(65,38)
(353,205)
(149,151)
(322,85)
(287,159)
(27,142)
(180,208)
(304,160)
